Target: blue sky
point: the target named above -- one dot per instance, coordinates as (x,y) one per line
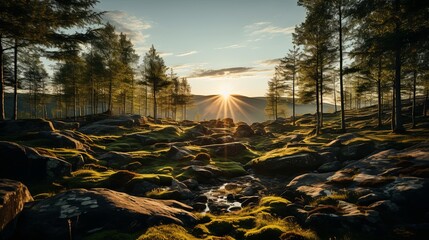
(220,45)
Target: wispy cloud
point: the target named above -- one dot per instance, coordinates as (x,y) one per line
(233,46)
(224,72)
(267,29)
(165,54)
(128,24)
(187,53)
(269,62)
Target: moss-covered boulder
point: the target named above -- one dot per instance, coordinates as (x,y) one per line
(98,209)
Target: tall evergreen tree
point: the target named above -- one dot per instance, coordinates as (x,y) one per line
(155,76)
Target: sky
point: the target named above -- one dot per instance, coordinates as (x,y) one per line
(221,46)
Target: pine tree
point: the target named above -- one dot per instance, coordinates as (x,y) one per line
(155,76)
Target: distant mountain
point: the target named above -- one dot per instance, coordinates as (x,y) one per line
(242,108)
(238,107)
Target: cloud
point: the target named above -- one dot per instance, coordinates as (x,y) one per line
(267,29)
(233,46)
(132,26)
(187,53)
(269,62)
(223,72)
(165,54)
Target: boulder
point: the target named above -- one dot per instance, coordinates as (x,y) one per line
(289,164)
(176,153)
(356,150)
(80,212)
(197,131)
(22,127)
(116,159)
(330,167)
(13,196)
(60,125)
(26,164)
(227,149)
(58,140)
(98,129)
(243,130)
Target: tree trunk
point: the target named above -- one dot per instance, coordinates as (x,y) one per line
(146,101)
(15,81)
(425,106)
(398,105)
(110,107)
(2,115)
(321,93)
(414,98)
(393,109)
(293,93)
(154,106)
(132,94)
(317,97)
(380,109)
(335,96)
(340,30)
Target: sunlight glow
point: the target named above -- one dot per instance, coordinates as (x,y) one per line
(225,95)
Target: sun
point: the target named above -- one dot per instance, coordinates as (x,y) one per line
(225,95)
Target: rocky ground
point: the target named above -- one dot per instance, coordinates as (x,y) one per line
(126,177)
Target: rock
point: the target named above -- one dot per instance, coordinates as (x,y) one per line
(176,153)
(243,130)
(357,150)
(60,125)
(199,206)
(13,196)
(330,167)
(204,140)
(230,197)
(197,131)
(133,166)
(248,191)
(86,211)
(116,159)
(371,198)
(249,200)
(203,158)
(26,164)
(58,140)
(23,127)
(99,129)
(191,184)
(225,139)
(182,189)
(144,140)
(288,165)
(203,174)
(227,149)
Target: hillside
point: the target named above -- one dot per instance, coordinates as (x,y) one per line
(250,109)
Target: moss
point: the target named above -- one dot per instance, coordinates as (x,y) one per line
(111,235)
(86,178)
(266,232)
(276,205)
(160,193)
(231,169)
(220,227)
(166,232)
(282,152)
